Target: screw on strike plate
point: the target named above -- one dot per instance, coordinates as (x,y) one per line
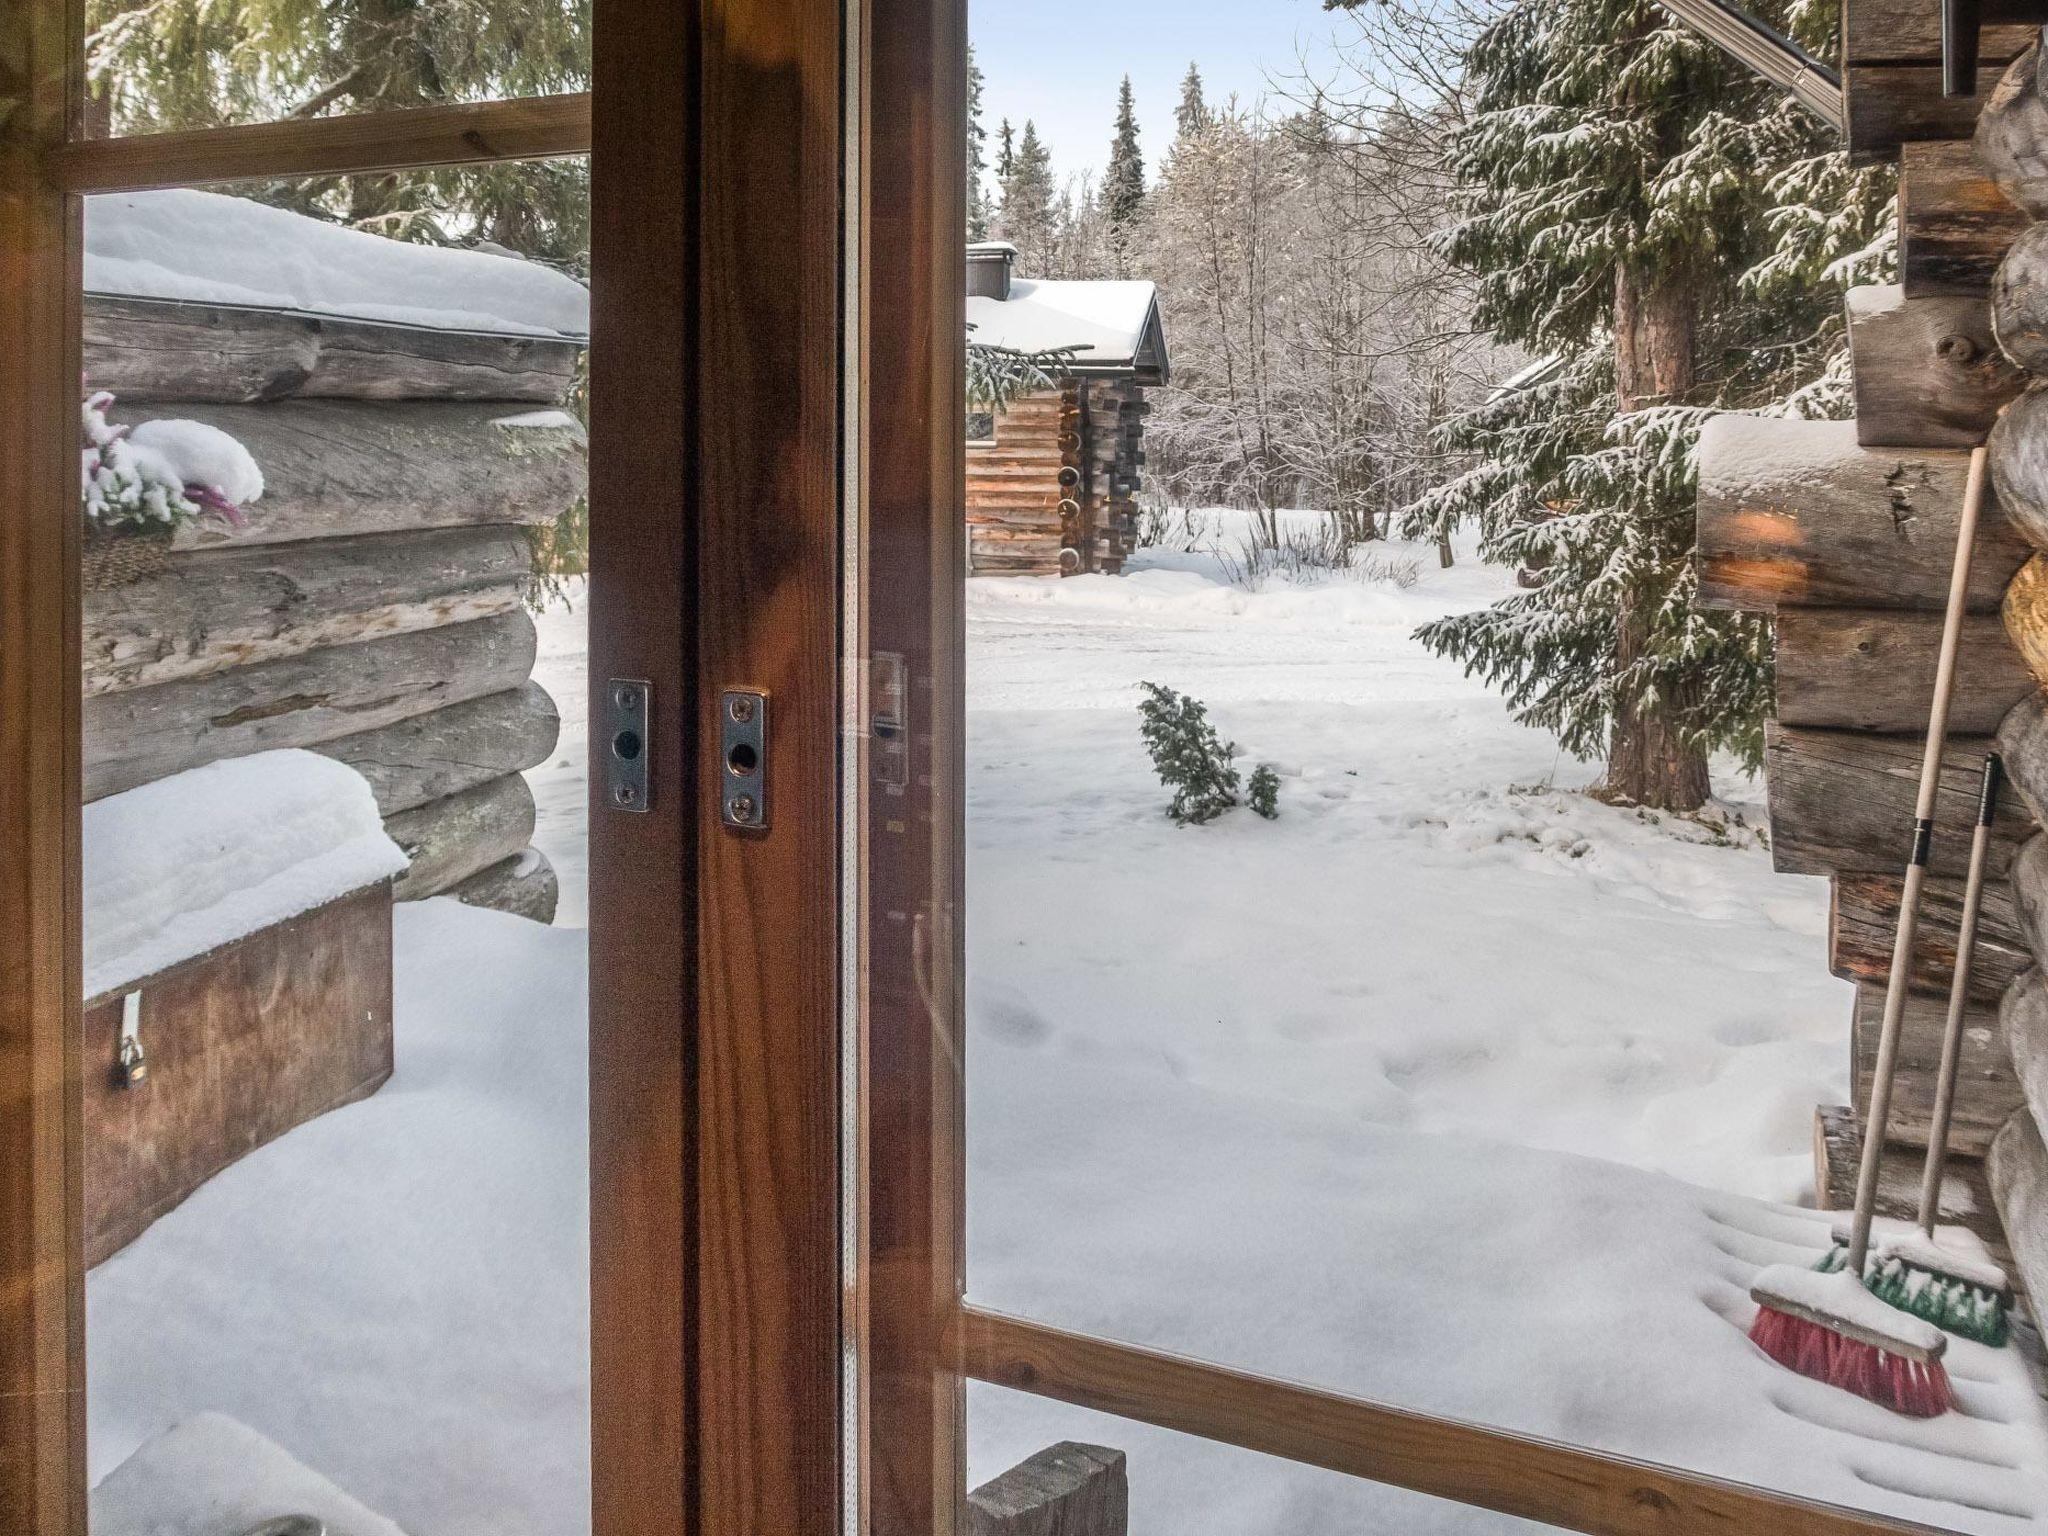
(741,707)
(740,807)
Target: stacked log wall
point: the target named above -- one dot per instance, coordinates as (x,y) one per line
(372,608)
(1054,492)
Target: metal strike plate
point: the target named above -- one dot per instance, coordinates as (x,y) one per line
(743,755)
(889,719)
(626,744)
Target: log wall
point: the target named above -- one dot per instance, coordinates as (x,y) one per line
(372,608)
(1845,535)
(1054,492)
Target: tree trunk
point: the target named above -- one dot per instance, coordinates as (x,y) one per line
(1648,761)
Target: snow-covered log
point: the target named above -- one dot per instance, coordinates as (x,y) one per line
(2018,1172)
(1863,914)
(341,468)
(524,885)
(1867,669)
(1926,373)
(446,751)
(1954,223)
(2012,134)
(208,611)
(148,349)
(297,701)
(1842,803)
(450,839)
(1799,513)
(1987,1089)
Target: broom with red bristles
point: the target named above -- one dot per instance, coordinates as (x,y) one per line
(1827,1325)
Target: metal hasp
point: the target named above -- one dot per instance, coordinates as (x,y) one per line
(743,756)
(626,744)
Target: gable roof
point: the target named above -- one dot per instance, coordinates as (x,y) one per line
(1113,326)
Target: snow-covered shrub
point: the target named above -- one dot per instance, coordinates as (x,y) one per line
(1262,794)
(1189,757)
(160,475)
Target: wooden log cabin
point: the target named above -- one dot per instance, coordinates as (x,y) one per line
(1843,532)
(1052,480)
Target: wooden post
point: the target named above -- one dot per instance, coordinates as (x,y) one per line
(1069,1489)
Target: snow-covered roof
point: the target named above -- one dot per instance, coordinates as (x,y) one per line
(184,865)
(186,246)
(1113,325)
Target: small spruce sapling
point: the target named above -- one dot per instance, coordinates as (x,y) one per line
(1262,794)
(1189,757)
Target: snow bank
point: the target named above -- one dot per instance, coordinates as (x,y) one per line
(211,1476)
(207,248)
(189,863)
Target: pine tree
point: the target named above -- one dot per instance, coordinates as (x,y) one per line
(1192,113)
(1658,227)
(169,64)
(977,153)
(1123,187)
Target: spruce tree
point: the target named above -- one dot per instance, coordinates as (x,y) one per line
(1123,186)
(977,153)
(1029,213)
(1661,230)
(1192,113)
(171,64)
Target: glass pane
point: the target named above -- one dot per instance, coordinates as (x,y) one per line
(336,1163)
(1388,968)
(171,64)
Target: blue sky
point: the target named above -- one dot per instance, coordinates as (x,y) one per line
(1058,62)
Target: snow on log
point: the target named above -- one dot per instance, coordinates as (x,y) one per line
(2017,1168)
(450,839)
(2012,134)
(1954,223)
(1841,802)
(191,863)
(151,349)
(1799,513)
(446,751)
(209,611)
(299,701)
(1069,1488)
(347,469)
(1863,914)
(1987,1089)
(1865,669)
(2025,614)
(1926,373)
(524,885)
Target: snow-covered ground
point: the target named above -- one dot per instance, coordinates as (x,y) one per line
(1449,1087)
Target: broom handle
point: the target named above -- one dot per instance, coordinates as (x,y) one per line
(1879,1118)
(1958,997)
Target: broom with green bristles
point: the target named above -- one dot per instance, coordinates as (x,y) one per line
(1913,1271)
(1829,1326)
